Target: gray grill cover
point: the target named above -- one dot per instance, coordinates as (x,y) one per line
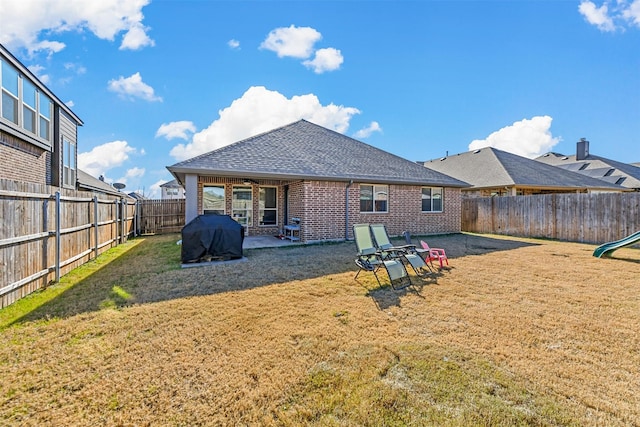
(212,237)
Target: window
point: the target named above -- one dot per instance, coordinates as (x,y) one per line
(45,106)
(373,198)
(432,199)
(69,163)
(242,205)
(23,104)
(9,93)
(213,199)
(28,106)
(268,206)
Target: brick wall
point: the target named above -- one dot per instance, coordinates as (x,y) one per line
(324,213)
(22,161)
(320,205)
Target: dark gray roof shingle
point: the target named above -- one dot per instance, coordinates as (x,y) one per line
(303,150)
(490,167)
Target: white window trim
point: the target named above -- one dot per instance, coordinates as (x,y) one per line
(373,190)
(431,199)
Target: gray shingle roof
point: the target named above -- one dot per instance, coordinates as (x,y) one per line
(490,167)
(303,150)
(596,167)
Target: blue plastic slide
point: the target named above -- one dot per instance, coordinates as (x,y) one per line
(608,248)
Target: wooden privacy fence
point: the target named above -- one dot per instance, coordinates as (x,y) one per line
(161,216)
(45,234)
(576,217)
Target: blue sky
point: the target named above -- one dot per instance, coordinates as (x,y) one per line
(156,82)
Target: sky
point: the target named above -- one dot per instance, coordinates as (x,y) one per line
(156,82)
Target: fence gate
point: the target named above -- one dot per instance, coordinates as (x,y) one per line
(161,216)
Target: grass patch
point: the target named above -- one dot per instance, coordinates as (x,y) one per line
(36,300)
(508,336)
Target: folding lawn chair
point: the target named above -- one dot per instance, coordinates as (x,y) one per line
(370,259)
(424,253)
(406,252)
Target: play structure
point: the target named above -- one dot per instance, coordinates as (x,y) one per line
(608,248)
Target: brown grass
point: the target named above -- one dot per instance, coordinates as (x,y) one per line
(517,332)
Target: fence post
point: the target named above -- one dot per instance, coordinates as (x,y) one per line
(45,240)
(58,242)
(95,226)
(123,207)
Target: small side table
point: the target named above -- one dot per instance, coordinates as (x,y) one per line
(290,230)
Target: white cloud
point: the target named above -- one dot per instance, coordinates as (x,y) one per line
(38,71)
(328,59)
(70,104)
(366,132)
(260,110)
(233,44)
(133,87)
(132,174)
(293,41)
(611,16)
(528,138)
(24,22)
(598,16)
(155,191)
(181,129)
(632,13)
(136,38)
(104,157)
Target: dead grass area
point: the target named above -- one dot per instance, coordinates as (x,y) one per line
(517,332)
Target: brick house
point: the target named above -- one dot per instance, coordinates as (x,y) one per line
(325,179)
(38,132)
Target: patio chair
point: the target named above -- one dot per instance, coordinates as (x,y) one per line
(371,259)
(424,253)
(405,252)
(435,254)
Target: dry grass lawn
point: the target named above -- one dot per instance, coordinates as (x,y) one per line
(517,332)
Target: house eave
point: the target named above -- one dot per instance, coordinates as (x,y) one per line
(179,174)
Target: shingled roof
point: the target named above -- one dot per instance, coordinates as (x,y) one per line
(624,174)
(490,167)
(303,150)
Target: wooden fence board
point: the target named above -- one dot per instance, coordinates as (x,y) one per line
(28,246)
(576,217)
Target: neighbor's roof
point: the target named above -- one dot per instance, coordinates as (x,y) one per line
(624,174)
(303,150)
(90,183)
(171,184)
(489,167)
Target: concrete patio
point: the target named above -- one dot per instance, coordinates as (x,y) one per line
(256,242)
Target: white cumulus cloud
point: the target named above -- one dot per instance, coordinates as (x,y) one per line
(155,191)
(327,59)
(233,44)
(33,24)
(104,157)
(528,138)
(293,41)
(259,110)
(133,87)
(181,129)
(611,16)
(366,132)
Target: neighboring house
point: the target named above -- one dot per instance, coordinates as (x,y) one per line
(137,196)
(172,190)
(493,172)
(611,171)
(87,182)
(38,132)
(325,179)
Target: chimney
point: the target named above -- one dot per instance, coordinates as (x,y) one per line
(582,149)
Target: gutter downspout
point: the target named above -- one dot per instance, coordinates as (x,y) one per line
(346,214)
